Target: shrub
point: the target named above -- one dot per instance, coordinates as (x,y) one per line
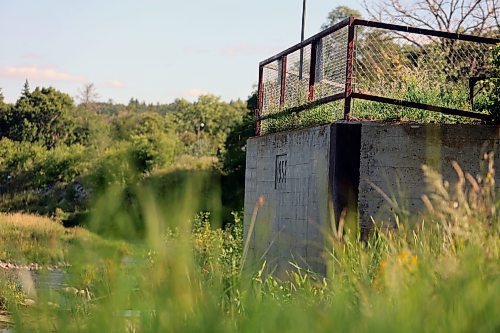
(62,164)
(152,151)
(114,167)
(127,161)
(489,99)
(24,165)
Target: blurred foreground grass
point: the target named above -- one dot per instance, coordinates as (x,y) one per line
(185,274)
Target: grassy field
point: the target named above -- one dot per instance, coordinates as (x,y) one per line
(442,275)
(27,239)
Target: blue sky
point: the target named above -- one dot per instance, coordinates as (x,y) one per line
(153,50)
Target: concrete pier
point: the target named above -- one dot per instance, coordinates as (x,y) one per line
(299,182)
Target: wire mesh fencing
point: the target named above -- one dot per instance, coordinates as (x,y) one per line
(418,68)
(271,87)
(374,62)
(296,79)
(331,55)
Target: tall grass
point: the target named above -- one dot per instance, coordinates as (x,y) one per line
(322,114)
(184,275)
(411,87)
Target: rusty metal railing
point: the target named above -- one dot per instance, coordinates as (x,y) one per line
(379,62)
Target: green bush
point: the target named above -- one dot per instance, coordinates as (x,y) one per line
(62,164)
(113,167)
(41,116)
(218,251)
(27,165)
(489,99)
(127,161)
(150,151)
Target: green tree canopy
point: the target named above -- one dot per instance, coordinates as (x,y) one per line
(233,159)
(41,116)
(206,122)
(3,116)
(338,14)
(139,124)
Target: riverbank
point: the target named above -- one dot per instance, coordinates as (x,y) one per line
(30,241)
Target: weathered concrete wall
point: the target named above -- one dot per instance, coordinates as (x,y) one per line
(289,172)
(299,175)
(392,156)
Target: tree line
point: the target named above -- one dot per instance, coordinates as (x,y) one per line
(50,145)
(56,153)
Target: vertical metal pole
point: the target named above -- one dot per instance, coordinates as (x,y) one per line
(283,80)
(302,38)
(349,69)
(303,20)
(312,70)
(260,101)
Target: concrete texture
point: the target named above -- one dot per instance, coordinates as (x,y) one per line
(289,172)
(298,182)
(392,156)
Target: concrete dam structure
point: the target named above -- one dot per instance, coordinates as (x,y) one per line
(299,182)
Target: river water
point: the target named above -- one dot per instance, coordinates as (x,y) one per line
(30,280)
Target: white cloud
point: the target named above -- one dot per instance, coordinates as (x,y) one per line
(194,92)
(189,94)
(40,73)
(115,84)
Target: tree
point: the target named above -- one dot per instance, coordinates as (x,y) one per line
(41,116)
(26,89)
(88,96)
(90,128)
(135,106)
(234,156)
(448,58)
(338,14)
(139,124)
(4,111)
(478,17)
(233,161)
(204,124)
(494,83)
(489,98)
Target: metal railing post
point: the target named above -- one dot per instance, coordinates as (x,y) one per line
(283,80)
(312,70)
(319,63)
(260,96)
(349,69)
(302,38)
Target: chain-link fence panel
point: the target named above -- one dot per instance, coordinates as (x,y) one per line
(397,71)
(298,65)
(418,68)
(331,57)
(271,87)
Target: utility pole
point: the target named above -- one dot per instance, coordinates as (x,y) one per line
(302,38)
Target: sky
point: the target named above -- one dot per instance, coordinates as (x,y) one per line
(152,50)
